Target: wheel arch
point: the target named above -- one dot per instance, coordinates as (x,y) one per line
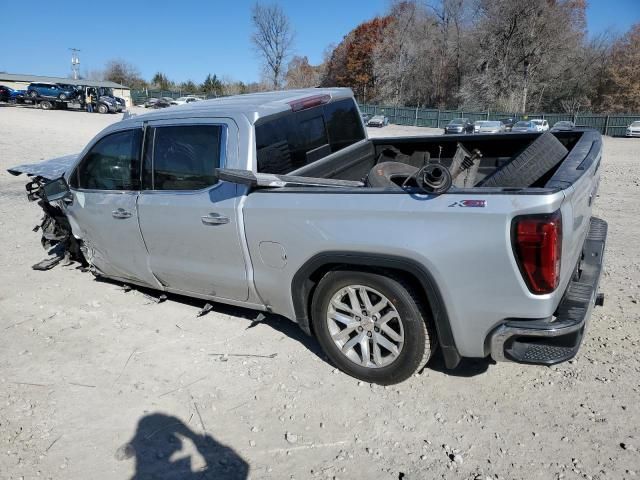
(309,274)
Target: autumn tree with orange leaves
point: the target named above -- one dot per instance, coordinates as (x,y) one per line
(351,63)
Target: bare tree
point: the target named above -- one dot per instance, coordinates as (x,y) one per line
(300,74)
(273,40)
(124,73)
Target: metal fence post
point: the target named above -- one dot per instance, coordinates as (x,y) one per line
(606,126)
(438,119)
(415,122)
(487,114)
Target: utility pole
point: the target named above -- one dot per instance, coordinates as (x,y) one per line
(75,62)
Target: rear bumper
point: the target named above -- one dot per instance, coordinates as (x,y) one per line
(557,339)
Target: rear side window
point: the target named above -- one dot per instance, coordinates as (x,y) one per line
(293,140)
(182,157)
(112,164)
(343,124)
(290,141)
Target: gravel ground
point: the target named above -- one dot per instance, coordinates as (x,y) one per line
(99,383)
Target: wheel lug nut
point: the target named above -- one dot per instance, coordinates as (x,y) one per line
(368,334)
(377,329)
(359,329)
(358,319)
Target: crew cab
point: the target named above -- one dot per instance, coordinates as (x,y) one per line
(384,249)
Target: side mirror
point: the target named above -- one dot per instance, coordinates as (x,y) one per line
(56,190)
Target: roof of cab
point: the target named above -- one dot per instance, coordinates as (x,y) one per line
(252,105)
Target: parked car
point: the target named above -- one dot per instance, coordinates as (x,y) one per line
(508,123)
(378,121)
(162,102)
(524,126)
(17,96)
(5,93)
(633,130)
(563,125)
(51,90)
(459,125)
(183,100)
(8,94)
(541,124)
(490,126)
(150,102)
(202,216)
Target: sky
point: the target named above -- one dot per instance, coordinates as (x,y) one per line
(198,38)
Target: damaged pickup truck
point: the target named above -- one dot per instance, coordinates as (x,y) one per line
(384,249)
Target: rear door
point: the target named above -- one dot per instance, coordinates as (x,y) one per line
(105,187)
(187,217)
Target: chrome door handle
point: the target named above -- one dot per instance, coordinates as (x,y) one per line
(214,219)
(120,213)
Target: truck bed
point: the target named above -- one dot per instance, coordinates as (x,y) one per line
(355,162)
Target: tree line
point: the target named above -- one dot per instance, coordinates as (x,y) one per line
(506,55)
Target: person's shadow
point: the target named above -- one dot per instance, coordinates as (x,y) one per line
(162,447)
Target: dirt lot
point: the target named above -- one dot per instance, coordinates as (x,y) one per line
(99,383)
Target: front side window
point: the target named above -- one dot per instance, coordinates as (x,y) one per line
(112,164)
(182,157)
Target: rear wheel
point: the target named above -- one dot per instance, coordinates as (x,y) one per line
(373,327)
(46,105)
(33,94)
(62,96)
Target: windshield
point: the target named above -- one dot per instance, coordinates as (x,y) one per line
(106,92)
(537,122)
(636,124)
(522,124)
(181,99)
(562,124)
(490,124)
(457,121)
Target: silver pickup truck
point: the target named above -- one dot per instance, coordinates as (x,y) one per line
(384,249)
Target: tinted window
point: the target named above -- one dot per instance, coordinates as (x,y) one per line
(294,140)
(344,125)
(291,141)
(112,163)
(183,157)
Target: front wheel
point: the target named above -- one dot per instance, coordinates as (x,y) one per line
(372,326)
(103,108)
(62,96)
(33,94)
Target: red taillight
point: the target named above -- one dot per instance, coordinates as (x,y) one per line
(537,244)
(309,102)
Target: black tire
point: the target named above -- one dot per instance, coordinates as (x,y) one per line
(382,174)
(46,105)
(102,108)
(419,339)
(531,165)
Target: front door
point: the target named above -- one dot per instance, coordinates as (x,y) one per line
(187,217)
(105,187)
